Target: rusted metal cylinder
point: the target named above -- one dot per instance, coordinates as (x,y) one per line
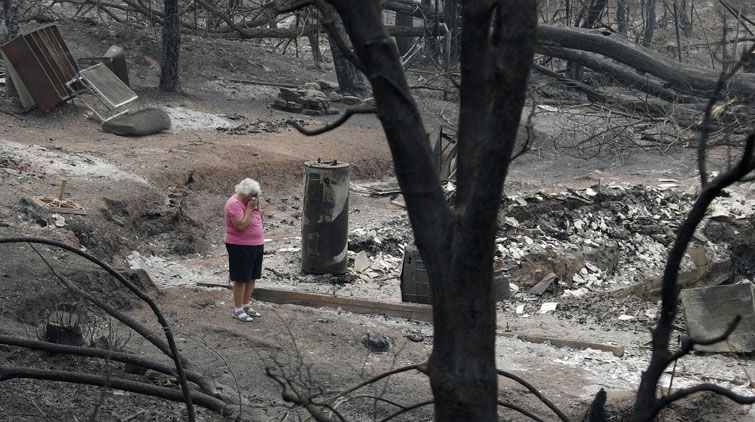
(325,223)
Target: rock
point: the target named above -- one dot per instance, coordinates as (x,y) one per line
(315,94)
(376,342)
(351,100)
(416,337)
(327,85)
(312,85)
(335,97)
(543,285)
(140,123)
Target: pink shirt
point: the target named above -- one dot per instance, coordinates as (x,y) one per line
(252,235)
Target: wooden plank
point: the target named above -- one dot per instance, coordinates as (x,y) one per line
(414,311)
(559,342)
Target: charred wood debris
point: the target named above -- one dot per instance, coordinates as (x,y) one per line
(606,239)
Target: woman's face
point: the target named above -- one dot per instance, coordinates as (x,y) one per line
(250,199)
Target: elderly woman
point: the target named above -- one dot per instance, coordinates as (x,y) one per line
(244,238)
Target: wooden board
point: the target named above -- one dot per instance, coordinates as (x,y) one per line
(415,311)
(560,342)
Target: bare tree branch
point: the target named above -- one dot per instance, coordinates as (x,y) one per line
(204,400)
(521,410)
(536,392)
(689,343)
(291,395)
(407,409)
(101,354)
(422,367)
(686,392)
(327,128)
(660,359)
(137,291)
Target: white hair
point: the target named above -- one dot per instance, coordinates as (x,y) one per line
(248,187)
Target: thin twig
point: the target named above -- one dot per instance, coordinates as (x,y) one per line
(407,409)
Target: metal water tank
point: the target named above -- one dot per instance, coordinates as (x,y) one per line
(325,223)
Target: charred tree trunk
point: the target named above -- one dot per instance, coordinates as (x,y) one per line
(621,17)
(404,43)
(314,37)
(647,34)
(594,13)
(451,14)
(458,245)
(169,65)
(11,23)
(350,80)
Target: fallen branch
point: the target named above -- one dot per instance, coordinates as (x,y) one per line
(137,291)
(201,399)
(111,355)
(683,77)
(341,120)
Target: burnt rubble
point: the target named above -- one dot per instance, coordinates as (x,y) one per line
(312,99)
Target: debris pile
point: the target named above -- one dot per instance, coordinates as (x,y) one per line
(604,237)
(259,127)
(312,99)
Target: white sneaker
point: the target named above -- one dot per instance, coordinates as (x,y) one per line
(251,312)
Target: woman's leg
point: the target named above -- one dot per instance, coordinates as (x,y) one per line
(239,294)
(248,290)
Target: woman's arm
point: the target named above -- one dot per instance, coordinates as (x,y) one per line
(242,223)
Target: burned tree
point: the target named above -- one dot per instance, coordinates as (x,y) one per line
(457,244)
(169,64)
(349,76)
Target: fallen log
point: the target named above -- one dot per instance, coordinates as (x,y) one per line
(622,75)
(683,77)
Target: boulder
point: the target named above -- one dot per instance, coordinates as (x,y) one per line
(140,123)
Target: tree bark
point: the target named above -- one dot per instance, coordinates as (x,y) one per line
(647,34)
(683,77)
(350,80)
(457,246)
(171,42)
(451,13)
(594,12)
(621,17)
(314,37)
(497,46)
(404,43)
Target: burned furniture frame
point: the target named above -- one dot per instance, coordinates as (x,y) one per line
(100,82)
